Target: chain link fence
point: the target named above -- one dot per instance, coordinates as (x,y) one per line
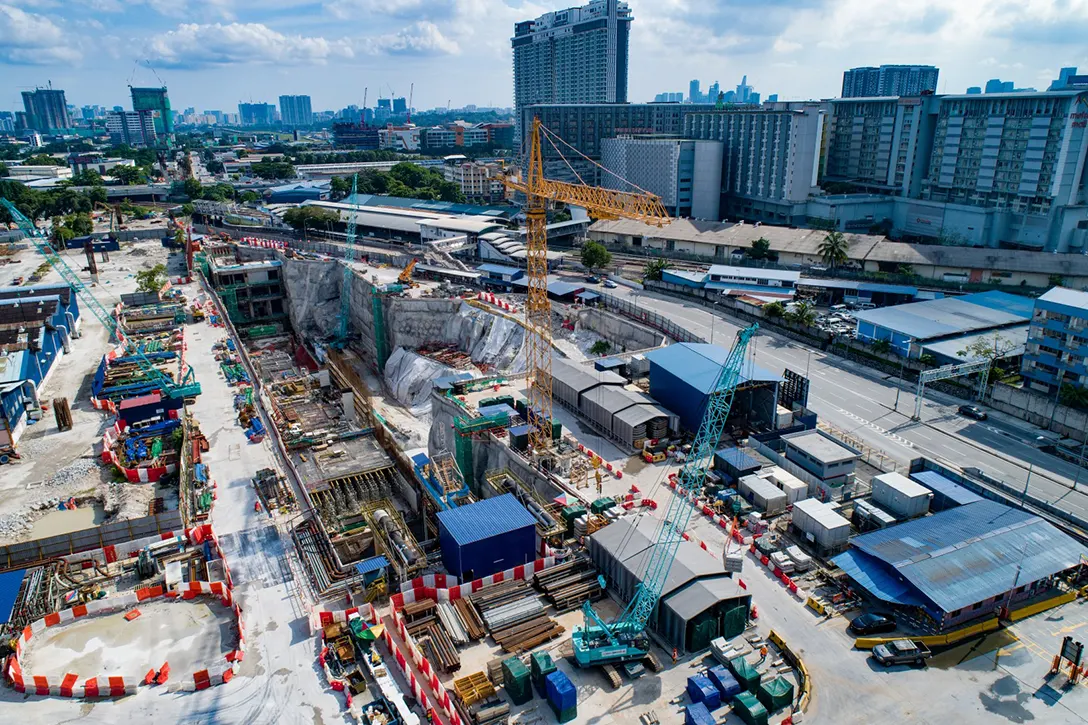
(648,317)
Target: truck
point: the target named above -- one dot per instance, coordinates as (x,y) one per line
(902,652)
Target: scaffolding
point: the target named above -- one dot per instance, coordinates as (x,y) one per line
(466,429)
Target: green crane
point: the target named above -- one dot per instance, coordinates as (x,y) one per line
(186,388)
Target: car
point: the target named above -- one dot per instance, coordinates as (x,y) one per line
(973,411)
(593,279)
(901,652)
(872,623)
(610,284)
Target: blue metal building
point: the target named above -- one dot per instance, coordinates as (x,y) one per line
(1057,340)
(486,537)
(682,376)
(946,494)
(966,563)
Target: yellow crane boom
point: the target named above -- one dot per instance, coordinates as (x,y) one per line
(600,204)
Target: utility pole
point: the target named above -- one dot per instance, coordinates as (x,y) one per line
(1057,398)
(899,383)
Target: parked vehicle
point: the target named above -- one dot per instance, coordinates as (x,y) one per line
(901,652)
(610,284)
(864,306)
(593,279)
(872,623)
(973,411)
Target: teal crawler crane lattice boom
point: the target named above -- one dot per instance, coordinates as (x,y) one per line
(625,640)
(188,387)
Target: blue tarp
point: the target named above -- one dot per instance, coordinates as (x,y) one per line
(877,580)
(10,581)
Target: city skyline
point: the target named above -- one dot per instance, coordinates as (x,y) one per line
(285,47)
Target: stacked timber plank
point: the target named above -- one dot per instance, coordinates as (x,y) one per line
(424,624)
(515,616)
(569,584)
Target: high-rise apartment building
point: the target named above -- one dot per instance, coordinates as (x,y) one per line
(155,103)
(1055,354)
(669,97)
(694,96)
(46,110)
(686,174)
(295,111)
(134,128)
(256,114)
(400,105)
(996,85)
(889,80)
(577,55)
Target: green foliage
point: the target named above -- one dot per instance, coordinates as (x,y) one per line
(339,187)
(595,256)
(306,157)
(42,204)
(882,347)
(81,224)
(991,347)
(151,280)
(907,270)
(248,197)
(215,166)
(655,268)
(269,169)
(142,157)
(90,177)
(803,313)
(218,192)
(310,217)
(1074,396)
(561,215)
(1054,280)
(760,249)
(410,181)
(128,174)
(774,310)
(834,249)
(187,209)
(242,154)
(601,347)
(928,359)
(61,232)
(193,188)
(43,160)
(3,169)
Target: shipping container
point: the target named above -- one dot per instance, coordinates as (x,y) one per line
(821,524)
(763,494)
(701,689)
(900,496)
(749,709)
(698,714)
(794,488)
(486,537)
(733,463)
(727,685)
(519,437)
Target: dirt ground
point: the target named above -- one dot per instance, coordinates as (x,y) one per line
(190,635)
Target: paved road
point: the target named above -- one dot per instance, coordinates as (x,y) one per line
(862,401)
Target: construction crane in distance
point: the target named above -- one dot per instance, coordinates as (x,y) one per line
(344,319)
(187,387)
(624,640)
(600,204)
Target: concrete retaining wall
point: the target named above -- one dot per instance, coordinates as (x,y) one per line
(622,333)
(1037,409)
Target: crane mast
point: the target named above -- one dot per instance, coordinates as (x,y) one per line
(624,639)
(600,204)
(349,257)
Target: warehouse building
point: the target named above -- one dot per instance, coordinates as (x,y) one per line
(967,563)
(571,380)
(682,377)
(630,417)
(946,494)
(699,601)
(767,285)
(945,326)
(486,537)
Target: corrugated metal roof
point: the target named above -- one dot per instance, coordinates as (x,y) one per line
(938,318)
(497,269)
(738,459)
(973,552)
(588,296)
(725,270)
(638,414)
(1017,336)
(579,377)
(1066,296)
(485,519)
(700,364)
(561,289)
(704,594)
(614,399)
(877,580)
(939,484)
(853,284)
(1003,302)
(374,563)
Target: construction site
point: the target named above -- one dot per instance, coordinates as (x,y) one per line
(305,484)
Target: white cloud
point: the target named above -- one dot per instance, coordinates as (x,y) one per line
(422,38)
(30,39)
(392,8)
(781,45)
(192,45)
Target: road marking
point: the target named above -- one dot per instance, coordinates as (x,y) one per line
(869,424)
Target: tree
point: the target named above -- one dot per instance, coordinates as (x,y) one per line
(193,188)
(187,209)
(3,169)
(834,249)
(215,166)
(339,187)
(43,160)
(760,249)
(61,233)
(882,347)
(1074,396)
(310,217)
(269,169)
(655,269)
(601,347)
(561,215)
(991,348)
(88,177)
(248,197)
(128,174)
(242,153)
(907,270)
(595,256)
(802,313)
(1054,280)
(179,236)
(774,310)
(80,224)
(151,280)
(928,359)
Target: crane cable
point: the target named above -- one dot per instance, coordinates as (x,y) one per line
(633,185)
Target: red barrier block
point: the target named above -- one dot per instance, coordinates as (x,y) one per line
(117,686)
(67,684)
(90,687)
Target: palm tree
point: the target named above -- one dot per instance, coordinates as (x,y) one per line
(774,310)
(834,249)
(802,314)
(654,269)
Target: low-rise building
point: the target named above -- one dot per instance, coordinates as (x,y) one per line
(821,455)
(481,183)
(22,172)
(1057,341)
(400,138)
(767,285)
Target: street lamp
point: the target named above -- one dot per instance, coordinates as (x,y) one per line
(899,382)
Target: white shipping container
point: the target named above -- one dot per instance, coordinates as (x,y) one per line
(821,524)
(763,494)
(900,496)
(794,488)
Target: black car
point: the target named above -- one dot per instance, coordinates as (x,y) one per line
(593,279)
(973,411)
(872,624)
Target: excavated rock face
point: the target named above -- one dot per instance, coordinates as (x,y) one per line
(409,377)
(490,340)
(313,293)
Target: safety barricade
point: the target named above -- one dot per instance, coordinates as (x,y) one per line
(451,594)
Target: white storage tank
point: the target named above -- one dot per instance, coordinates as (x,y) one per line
(821,524)
(763,494)
(900,496)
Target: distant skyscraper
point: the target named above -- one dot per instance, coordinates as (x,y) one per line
(1063,78)
(773,98)
(996,85)
(295,111)
(400,105)
(155,103)
(135,128)
(889,80)
(743,90)
(694,96)
(46,110)
(974,90)
(577,55)
(712,92)
(256,114)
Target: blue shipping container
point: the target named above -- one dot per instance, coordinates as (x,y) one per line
(698,714)
(561,693)
(486,537)
(727,685)
(700,689)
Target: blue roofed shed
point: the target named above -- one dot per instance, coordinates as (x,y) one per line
(734,463)
(964,563)
(486,537)
(946,493)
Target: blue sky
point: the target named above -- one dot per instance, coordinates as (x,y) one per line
(214,53)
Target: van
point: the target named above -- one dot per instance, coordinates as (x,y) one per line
(864,306)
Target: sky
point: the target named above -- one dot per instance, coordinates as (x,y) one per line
(212,54)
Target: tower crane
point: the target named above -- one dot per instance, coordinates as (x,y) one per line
(349,257)
(185,388)
(600,204)
(600,643)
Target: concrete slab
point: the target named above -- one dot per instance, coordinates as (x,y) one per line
(190,635)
